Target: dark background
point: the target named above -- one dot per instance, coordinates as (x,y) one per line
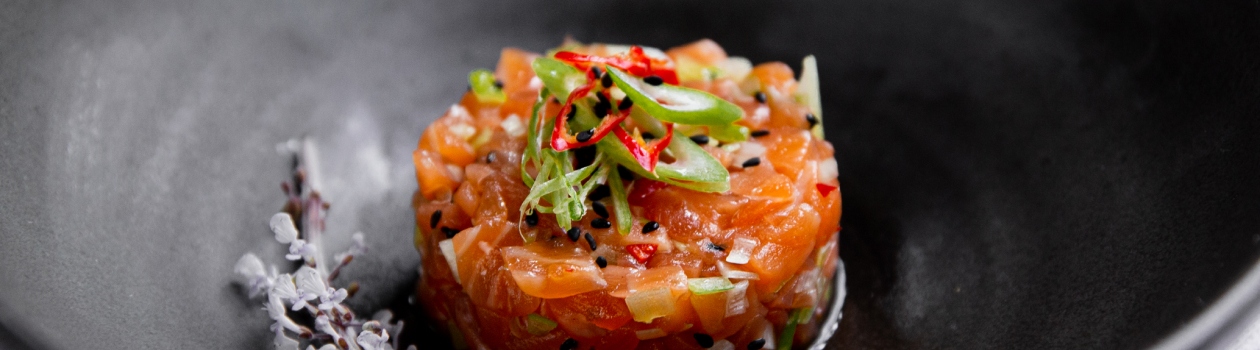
(1016,174)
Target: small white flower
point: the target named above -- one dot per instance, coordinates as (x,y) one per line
(323,325)
(275,309)
(253,275)
(286,290)
(331,298)
(356,249)
(282,225)
(299,249)
(283,287)
(310,285)
(374,336)
(311,281)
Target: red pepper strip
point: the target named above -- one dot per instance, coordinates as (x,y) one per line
(637,68)
(646,155)
(641,252)
(825,189)
(561,140)
(635,62)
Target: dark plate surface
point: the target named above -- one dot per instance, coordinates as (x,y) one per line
(1016,174)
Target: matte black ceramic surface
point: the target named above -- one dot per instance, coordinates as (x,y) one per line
(1016,174)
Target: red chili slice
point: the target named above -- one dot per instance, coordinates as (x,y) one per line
(634,62)
(825,189)
(646,155)
(561,140)
(641,252)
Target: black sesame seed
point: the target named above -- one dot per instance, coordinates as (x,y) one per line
(601,262)
(760,96)
(433,219)
(595,70)
(450,232)
(555,100)
(572,113)
(715,246)
(752,162)
(757,344)
(590,240)
(498,84)
(585,135)
(574,233)
(700,139)
(600,223)
(606,81)
(600,209)
(625,104)
(532,219)
(600,98)
(600,192)
(601,109)
(569,344)
(647,136)
(650,226)
(809,117)
(705,340)
(760,133)
(653,80)
(491,157)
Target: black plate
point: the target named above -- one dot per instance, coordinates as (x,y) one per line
(1016,174)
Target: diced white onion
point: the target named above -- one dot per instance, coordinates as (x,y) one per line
(748,151)
(651,333)
(535,83)
(741,250)
(736,299)
(649,304)
(828,170)
(736,68)
(459,112)
(763,111)
(457,173)
(448,250)
(463,131)
(512,125)
(722,344)
(734,274)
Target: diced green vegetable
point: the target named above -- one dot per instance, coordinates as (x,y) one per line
(621,206)
(484,87)
(538,325)
(789,331)
(709,285)
(809,94)
(676,104)
(558,77)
